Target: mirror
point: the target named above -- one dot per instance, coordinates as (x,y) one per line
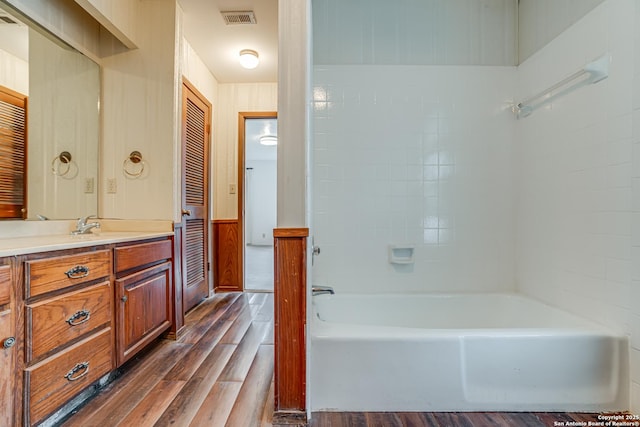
(62,87)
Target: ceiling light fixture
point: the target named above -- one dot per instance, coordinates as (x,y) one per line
(249,59)
(269,140)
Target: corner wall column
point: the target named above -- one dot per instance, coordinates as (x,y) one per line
(290,293)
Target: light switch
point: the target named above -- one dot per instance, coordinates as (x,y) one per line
(233,188)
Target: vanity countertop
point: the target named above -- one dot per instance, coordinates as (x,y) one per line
(33,244)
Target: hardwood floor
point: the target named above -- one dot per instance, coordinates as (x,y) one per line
(220,373)
(450,419)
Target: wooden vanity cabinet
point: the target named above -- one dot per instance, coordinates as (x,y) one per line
(68,318)
(8,341)
(68,331)
(143,288)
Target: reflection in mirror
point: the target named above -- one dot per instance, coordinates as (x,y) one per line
(62,88)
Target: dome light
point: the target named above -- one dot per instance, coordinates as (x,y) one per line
(269,140)
(249,59)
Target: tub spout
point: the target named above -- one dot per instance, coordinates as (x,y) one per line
(320,290)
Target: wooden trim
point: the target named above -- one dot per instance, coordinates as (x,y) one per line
(242,117)
(226,256)
(177,321)
(225,221)
(196,92)
(194,293)
(290,232)
(9,208)
(290,290)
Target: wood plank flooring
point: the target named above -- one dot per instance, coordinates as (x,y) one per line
(220,373)
(450,419)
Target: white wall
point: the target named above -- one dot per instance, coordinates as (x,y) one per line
(540,21)
(194,70)
(67,20)
(578,224)
(120,17)
(198,74)
(416,155)
(234,98)
(63,116)
(261,183)
(141,112)
(409,32)
(14,73)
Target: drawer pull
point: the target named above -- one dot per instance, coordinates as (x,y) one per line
(78,272)
(83,368)
(9,342)
(79,318)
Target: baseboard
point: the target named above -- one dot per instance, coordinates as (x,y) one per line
(289,418)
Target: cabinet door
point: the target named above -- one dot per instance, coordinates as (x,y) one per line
(143,309)
(7,347)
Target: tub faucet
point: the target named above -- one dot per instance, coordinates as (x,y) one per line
(83,228)
(320,290)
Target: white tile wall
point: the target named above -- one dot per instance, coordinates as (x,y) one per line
(430,156)
(426,32)
(414,155)
(578,225)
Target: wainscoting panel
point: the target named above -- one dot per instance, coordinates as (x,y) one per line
(290,276)
(226,257)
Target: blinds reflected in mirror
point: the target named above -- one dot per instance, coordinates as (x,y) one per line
(13,144)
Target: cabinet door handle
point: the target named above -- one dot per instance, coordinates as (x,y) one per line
(78,272)
(9,342)
(186,212)
(79,318)
(83,368)
(124,298)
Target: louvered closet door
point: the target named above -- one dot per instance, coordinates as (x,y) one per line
(195,189)
(13,153)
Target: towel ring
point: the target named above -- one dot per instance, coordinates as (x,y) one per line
(133,166)
(62,164)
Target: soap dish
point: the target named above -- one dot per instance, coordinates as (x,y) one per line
(401,254)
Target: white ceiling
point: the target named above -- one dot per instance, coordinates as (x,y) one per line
(218,44)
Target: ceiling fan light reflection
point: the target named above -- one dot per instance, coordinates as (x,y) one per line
(269,140)
(249,59)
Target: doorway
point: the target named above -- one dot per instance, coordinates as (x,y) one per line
(258,198)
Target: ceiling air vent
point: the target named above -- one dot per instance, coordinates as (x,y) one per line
(239,18)
(4,19)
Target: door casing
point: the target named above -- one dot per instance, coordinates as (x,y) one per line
(242,117)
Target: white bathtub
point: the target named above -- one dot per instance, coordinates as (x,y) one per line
(468,352)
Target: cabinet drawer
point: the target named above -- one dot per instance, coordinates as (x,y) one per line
(55,322)
(52,382)
(137,256)
(49,274)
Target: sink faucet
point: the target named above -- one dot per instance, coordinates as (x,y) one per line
(320,290)
(83,228)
